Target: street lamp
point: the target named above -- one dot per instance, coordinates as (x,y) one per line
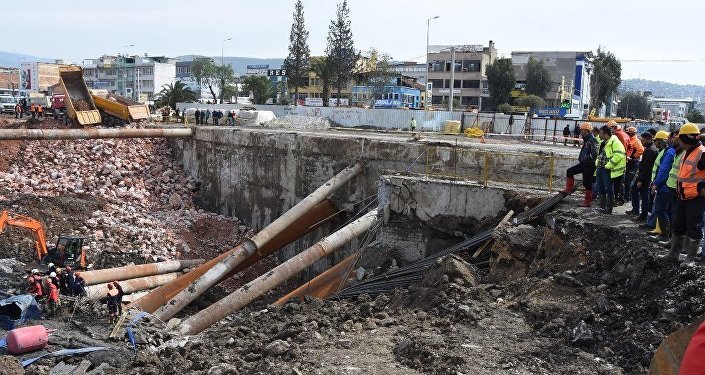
(222,49)
(222,58)
(428,34)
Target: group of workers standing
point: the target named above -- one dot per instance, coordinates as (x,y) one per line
(663,174)
(204,116)
(66,282)
(35,110)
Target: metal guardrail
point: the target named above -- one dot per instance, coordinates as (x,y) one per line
(526,169)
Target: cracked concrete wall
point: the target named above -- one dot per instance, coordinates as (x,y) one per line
(427,215)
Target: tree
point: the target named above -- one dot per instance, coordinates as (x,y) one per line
(322,68)
(501,80)
(505,108)
(212,76)
(297,64)
(633,103)
(606,77)
(341,49)
(695,116)
(531,101)
(260,87)
(174,93)
(228,92)
(538,78)
(379,76)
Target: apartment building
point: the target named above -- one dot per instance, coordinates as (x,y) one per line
(137,77)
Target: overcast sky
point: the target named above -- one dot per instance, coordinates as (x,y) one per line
(634,30)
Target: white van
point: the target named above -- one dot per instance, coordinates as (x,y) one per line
(8,104)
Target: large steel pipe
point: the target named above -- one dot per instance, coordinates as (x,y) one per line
(255,288)
(250,246)
(98,291)
(156,298)
(139,270)
(59,134)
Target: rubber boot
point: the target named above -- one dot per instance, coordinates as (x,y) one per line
(666,237)
(569,185)
(609,206)
(691,247)
(603,202)
(587,201)
(676,247)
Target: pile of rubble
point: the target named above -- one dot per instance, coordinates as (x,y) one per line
(148,199)
(299,122)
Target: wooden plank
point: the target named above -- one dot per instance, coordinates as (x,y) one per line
(504,221)
(62,369)
(82,368)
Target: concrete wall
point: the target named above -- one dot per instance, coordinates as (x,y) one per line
(257,174)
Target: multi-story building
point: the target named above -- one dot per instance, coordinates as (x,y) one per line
(469,84)
(410,69)
(38,76)
(185,75)
(9,81)
(400,92)
(678,108)
(570,73)
(137,77)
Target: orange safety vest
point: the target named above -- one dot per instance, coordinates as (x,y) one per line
(40,109)
(31,107)
(689,175)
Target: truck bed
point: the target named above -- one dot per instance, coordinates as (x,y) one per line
(79,102)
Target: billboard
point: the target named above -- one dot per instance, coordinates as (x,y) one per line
(26,75)
(276,72)
(257,70)
(551,112)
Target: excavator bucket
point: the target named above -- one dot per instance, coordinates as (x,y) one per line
(668,356)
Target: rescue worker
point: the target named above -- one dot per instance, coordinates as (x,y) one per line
(586,165)
(610,163)
(121,293)
(70,280)
(197,114)
(689,207)
(641,187)
(112,302)
(663,199)
(634,152)
(53,297)
(79,285)
(619,180)
(40,111)
(566,134)
(54,279)
(18,111)
(52,267)
(35,288)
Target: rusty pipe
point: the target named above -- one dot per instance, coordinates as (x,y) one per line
(156,298)
(98,291)
(139,270)
(59,134)
(325,284)
(250,246)
(255,288)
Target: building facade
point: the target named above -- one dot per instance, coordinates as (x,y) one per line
(38,77)
(401,92)
(9,81)
(469,86)
(184,74)
(137,77)
(677,108)
(410,69)
(570,76)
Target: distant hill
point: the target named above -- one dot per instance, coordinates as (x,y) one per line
(239,64)
(13,60)
(664,89)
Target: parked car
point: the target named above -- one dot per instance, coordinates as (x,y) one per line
(8,104)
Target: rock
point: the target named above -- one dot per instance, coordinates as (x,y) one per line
(447,268)
(277,347)
(173,322)
(344,344)
(582,334)
(360,273)
(223,369)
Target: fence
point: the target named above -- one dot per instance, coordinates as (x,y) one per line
(524,169)
(545,129)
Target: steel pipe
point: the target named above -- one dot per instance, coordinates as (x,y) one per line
(156,298)
(139,270)
(98,291)
(255,288)
(250,246)
(325,284)
(59,134)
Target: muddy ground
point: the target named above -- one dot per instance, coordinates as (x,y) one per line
(573,293)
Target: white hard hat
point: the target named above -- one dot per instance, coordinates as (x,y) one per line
(34,270)
(53,274)
(51,265)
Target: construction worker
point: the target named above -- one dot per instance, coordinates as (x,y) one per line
(121,293)
(661,142)
(40,111)
(112,303)
(53,297)
(18,111)
(640,188)
(33,110)
(610,163)
(661,188)
(687,226)
(35,287)
(586,165)
(634,152)
(412,125)
(197,114)
(619,180)
(79,285)
(566,134)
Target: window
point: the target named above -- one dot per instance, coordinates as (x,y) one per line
(471,84)
(458,65)
(396,96)
(456,84)
(437,83)
(471,65)
(469,100)
(437,66)
(436,99)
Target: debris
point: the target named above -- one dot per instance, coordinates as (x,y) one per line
(277,348)
(582,334)
(10,365)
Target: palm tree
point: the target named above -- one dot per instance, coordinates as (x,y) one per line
(174,93)
(323,69)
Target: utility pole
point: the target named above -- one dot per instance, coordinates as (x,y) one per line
(452,79)
(222,59)
(428,34)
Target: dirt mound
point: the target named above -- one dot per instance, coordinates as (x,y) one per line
(9,365)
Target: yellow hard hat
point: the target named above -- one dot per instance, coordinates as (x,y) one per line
(612,123)
(661,135)
(690,129)
(586,126)
(631,130)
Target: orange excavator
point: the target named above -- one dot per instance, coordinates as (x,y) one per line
(68,251)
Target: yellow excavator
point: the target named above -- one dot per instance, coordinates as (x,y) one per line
(68,251)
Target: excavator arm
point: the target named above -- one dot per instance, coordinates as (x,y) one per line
(22,221)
